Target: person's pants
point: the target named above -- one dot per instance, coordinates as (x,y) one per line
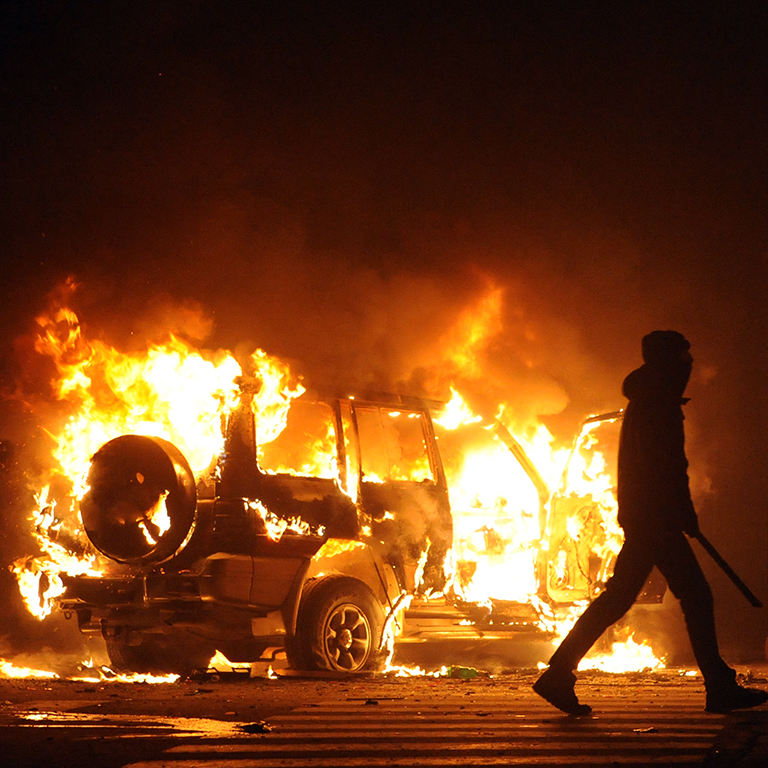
(671,553)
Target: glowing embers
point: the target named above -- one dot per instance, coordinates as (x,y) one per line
(403,670)
(220,663)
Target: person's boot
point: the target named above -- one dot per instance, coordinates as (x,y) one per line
(556,686)
(726,698)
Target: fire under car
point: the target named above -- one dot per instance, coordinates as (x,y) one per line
(352,529)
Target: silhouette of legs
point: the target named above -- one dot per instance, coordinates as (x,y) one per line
(633,566)
(671,553)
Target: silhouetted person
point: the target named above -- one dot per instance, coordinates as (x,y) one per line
(656,513)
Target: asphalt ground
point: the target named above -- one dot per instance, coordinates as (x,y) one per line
(237,721)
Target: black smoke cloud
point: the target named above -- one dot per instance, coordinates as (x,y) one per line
(339,184)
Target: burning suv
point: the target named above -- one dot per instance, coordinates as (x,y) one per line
(354,526)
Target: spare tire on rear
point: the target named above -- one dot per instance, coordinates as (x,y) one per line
(140,506)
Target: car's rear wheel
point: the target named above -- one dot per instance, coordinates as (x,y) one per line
(157,654)
(338,627)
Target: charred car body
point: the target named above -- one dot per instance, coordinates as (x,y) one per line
(309,541)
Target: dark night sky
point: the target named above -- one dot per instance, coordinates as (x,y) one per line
(337,182)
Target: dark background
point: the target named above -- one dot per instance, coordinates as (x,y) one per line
(338,183)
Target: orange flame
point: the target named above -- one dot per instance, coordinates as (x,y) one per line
(169,391)
(183,395)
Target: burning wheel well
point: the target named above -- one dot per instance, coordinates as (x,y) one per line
(339,627)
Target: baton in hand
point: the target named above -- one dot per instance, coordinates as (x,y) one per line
(729,572)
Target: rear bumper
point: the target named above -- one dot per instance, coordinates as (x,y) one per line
(127,591)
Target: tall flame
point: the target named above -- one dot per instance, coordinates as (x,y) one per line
(170,391)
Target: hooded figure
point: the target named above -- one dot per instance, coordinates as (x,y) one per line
(653,489)
(656,513)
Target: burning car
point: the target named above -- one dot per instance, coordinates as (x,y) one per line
(196,503)
(330,539)
(308,540)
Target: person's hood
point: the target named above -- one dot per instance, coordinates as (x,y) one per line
(650,382)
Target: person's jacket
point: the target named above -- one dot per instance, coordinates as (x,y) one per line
(653,490)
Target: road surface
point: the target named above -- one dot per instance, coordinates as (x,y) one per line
(237,722)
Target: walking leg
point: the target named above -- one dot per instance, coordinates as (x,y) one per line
(556,684)
(633,566)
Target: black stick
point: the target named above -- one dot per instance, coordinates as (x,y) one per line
(729,572)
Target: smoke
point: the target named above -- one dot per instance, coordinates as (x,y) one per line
(348,191)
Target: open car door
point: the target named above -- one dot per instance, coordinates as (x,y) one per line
(584,534)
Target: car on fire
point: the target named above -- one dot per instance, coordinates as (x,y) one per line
(331,540)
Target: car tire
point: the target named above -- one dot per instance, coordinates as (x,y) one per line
(338,627)
(157,655)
